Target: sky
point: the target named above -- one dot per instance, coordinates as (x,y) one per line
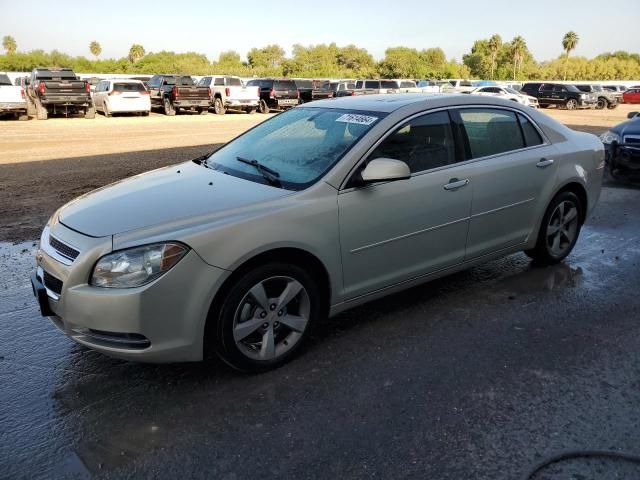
(211,27)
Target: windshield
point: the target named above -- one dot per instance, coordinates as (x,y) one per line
(128,87)
(4,80)
(300,145)
(512,91)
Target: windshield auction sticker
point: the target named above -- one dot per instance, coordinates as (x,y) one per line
(354,118)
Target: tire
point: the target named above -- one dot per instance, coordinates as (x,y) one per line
(218,107)
(105,110)
(571,104)
(41,112)
(544,105)
(251,111)
(264,108)
(90,112)
(602,103)
(169,111)
(268,339)
(554,247)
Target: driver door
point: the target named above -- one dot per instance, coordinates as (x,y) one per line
(395,231)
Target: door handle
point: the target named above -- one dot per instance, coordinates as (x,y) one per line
(455,184)
(544,162)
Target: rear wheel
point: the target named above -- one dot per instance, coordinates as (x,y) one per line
(602,103)
(218,107)
(572,104)
(168,108)
(266,316)
(559,229)
(264,108)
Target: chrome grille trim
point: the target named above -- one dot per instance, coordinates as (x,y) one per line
(63,249)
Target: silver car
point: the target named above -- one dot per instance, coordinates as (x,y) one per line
(314,211)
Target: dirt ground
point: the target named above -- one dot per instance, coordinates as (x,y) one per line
(44,164)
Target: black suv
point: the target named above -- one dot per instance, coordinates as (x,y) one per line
(560,95)
(276,94)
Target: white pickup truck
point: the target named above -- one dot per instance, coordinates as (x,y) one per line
(228,93)
(12,99)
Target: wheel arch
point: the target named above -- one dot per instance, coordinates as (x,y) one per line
(579,190)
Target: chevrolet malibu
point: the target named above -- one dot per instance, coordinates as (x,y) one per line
(321,208)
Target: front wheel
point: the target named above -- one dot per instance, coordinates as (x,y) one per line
(572,104)
(265,317)
(602,104)
(559,229)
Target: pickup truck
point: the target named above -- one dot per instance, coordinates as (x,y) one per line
(53,91)
(342,88)
(372,87)
(606,99)
(311,90)
(228,93)
(12,99)
(174,93)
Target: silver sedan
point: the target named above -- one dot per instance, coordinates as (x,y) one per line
(321,208)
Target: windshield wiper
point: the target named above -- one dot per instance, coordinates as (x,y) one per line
(201,160)
(270,175)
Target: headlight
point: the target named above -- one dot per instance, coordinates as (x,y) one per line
(584,95)
(136,266)
(609,137)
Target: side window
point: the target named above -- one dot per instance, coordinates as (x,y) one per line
(531,135)
(205,81)
(423,143)
(491,131)
(359,84)
(371,84)
(219,82)
(154,82)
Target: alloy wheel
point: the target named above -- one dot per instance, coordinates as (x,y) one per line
(562,228)
(271,318)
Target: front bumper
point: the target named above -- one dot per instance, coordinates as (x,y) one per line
(623,160)
(588,103)
(160,322)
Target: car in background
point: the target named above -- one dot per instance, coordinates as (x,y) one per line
(374,87)
(605,98)
(12,99)
(428,86)
(506,93)
(342,88)
(176,93)
(615,88)
(321,208)
(311,90)
(632,95)
(229,93)
(407,86)
(559,95)
(622,147)
(121,96)
(276,94)
(58,91)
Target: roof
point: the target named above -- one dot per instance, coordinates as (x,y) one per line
(391,102)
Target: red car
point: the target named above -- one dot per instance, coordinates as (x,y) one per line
(632,95)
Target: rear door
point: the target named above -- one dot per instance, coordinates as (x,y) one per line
(546,94)
(395,231)
(514,171)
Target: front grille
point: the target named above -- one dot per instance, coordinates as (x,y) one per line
(63,249)
(632,141)
(52,283)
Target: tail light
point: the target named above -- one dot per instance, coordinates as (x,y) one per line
(174,92)
(87,87)
(41,88)
(272,93)
(144,92)
(227,92)
(22,92)
(209,92)
(298,93)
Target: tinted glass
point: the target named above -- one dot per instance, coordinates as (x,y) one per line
(359,84)
(205,81)
(4,80)
(185,81)
(547,88)
(371,84)
(234,82)
(218,82)
(285,85)
(423,143)
(531,135)
(128,87)
(304,84)
(388,84)
(491,131)
(300,144)
(155,81)
(169,80)
(407,85)
(571,88)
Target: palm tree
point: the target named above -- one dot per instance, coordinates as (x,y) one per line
(136,52)
(569,42)
(95,48)
(9,44)
(495,43)
(518,49)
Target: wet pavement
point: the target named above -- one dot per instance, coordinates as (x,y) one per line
(479,375)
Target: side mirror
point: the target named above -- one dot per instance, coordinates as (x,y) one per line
(632,114)
(385,170)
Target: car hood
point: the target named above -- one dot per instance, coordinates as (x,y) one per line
(630,127)
(161,196)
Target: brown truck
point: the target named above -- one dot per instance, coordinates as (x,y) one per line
(175,93)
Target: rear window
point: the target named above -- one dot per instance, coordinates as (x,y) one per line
(4,80)
(56,75)
(205,81)
(234,82)
(284,85)
(388,84)
(219,82)
(491,131)
(407,85)
(128,87)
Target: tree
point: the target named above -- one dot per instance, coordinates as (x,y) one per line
(518,49)
(136,52)
(495,43)
(569,42)
(267,58)
(95,48)
(9,44)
